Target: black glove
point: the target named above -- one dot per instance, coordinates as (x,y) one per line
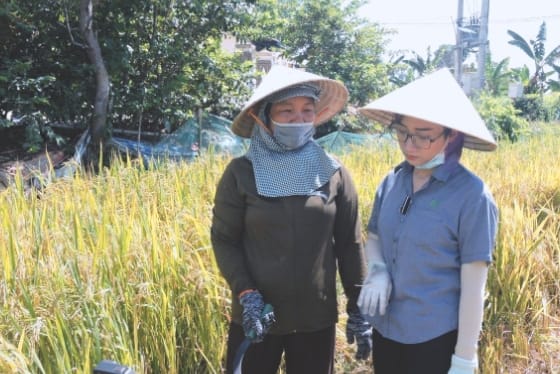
(357,328)
(256,318)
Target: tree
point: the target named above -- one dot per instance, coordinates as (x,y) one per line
(162,57)
(327,38)
(406,66)
(498,76)
(44,77)
(443,57)
(101,102)
(554,85)
(536,50)
(165,61)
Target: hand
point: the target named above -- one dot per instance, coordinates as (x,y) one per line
(357,328)
(257,319)
(376,290)
(461,366)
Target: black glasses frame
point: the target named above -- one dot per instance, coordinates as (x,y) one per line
(419,141)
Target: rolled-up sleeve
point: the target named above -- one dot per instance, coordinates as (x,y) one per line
(478,227)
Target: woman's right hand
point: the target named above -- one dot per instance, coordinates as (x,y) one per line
(376,290)
(256,319)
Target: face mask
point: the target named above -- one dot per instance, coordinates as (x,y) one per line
(293,135)
(438,159)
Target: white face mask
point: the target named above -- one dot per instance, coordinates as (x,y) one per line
(293,135)
(438,159)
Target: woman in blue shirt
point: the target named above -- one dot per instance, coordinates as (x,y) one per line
(431,233)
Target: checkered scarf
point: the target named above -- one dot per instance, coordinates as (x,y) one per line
(280,172)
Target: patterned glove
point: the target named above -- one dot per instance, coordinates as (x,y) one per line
(357,328)
(461,366)
(256,319)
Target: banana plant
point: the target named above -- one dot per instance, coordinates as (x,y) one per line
(555,84)
(535,49)
(498,76)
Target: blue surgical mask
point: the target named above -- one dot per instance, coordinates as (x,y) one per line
(438,159)
(293,135)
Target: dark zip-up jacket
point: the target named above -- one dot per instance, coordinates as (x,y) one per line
(289,248)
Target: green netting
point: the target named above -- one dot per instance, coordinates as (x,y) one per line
(215,136)
(341,141)
(209,133)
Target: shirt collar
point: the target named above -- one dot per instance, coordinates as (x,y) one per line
(441,173)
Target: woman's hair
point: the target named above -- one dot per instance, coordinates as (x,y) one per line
(266,113)
(455,145)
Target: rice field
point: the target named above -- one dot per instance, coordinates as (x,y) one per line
(119,266)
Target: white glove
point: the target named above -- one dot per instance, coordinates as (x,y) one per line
(377,286)
(376,290)
(461,366)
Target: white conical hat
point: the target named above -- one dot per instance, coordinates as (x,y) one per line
(332,98)
(436,98)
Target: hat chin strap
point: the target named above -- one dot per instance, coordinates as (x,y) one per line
(259,122)
(318,115)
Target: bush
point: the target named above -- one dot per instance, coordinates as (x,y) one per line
(501,117)
(552,106)
(531,107)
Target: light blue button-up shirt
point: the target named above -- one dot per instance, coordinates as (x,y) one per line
(449,222)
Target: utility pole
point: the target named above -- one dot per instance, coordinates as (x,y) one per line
(459,45)
(483,43)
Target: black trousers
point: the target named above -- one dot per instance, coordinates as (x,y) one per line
(304,353)
(431,357)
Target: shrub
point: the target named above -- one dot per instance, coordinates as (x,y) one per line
(501,117)
(531,107)
(551,104)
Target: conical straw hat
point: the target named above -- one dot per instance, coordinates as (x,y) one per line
(436,98)
(332,98)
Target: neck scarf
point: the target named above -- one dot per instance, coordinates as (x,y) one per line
(280,172)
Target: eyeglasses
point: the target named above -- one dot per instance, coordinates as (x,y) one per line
(398,132)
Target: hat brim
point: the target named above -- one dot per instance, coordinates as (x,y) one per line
(332,99)
(435,98)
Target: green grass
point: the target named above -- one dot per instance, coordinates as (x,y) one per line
(119,266)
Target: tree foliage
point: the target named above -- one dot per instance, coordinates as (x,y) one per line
(163,59)
(328,38)
(536,50)
(43,76)
(501,117)
(420,66)
(498,76)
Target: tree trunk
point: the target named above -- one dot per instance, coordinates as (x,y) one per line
(99,119)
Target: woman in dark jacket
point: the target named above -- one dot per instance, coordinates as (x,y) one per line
(285,220)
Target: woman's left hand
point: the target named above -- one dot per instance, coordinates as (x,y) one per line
(357,328)
(461,366)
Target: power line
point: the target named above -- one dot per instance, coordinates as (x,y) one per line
(490,21)
(526,19)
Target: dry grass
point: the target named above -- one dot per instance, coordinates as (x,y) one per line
(119,266)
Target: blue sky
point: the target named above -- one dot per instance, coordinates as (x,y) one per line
(423,23)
